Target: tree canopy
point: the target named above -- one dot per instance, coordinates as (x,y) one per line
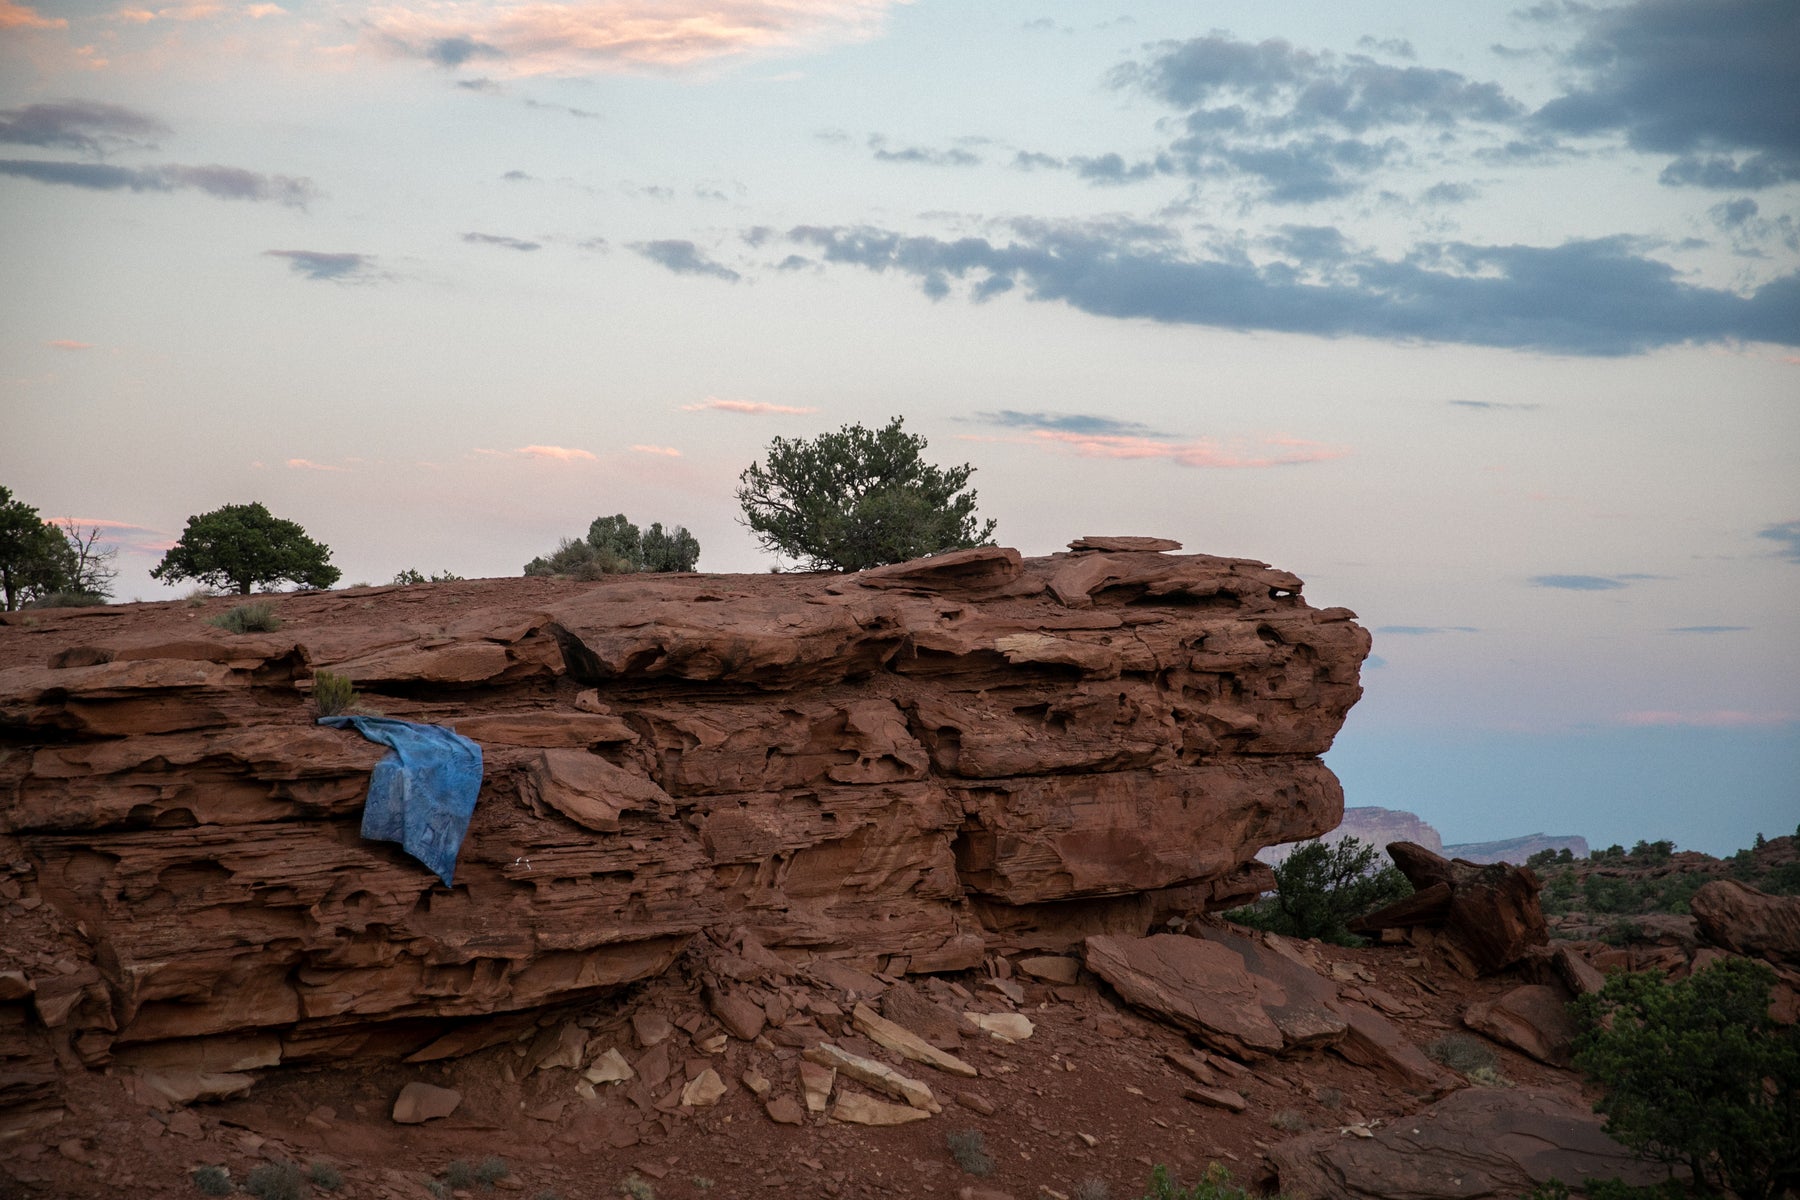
(858,498)
(33,552)
(241,546)
(1321,887)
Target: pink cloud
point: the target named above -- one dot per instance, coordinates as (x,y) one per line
(665,451)
(1718,718)
(536,37)
(69,344)
(176,12)
(303,464)
(1202,452)
(559,453)
(23,16)
(753,408)
(101,523)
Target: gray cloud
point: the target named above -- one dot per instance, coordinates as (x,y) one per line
(1709,81)
(1426,630)
(1595,297)
(455,51)
(1089,423)
(1496,405)
(1579,583)
(1787,535)
(229,183)
(326,265)
(684,258)
(84,125)
(1305,126)
(953,157)
(495,239)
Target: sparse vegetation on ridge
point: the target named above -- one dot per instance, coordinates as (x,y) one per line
(614,546)
(248,618)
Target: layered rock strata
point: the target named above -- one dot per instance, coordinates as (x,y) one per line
(898,769)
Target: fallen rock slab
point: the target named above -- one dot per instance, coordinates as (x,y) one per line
(907,1044)
(1489,913)
(1531,1019)
(857,1109)
(1480,1142)
(1003,1027)
(1223,1098)
(879,1076)
(421,1102)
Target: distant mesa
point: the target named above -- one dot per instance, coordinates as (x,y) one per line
(1376,826)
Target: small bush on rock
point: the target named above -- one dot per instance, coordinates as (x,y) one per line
(212,1181)
(276,1181)
(969,1150)
(1461,1053)
(459,1174)
(333,694)
(324,1175)
(248,618)
(1214,1185)
(492,1170)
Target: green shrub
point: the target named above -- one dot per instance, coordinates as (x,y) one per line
(409,577)
(248,618)
(1091,1189)
(459,1174)
(492,1170)
(324,1175)
(634,1186)
(1695,1072)
(333,694)
(1320,888)
(969,1149)
(276,1181)
(1462,1053)
(212,1181)
(614,546)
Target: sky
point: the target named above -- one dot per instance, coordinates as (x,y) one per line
(1482,318)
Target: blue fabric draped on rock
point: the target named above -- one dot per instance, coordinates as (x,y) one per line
(423,793)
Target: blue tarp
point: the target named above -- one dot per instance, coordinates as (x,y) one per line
(423,793)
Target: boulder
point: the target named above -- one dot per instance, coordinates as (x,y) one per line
(420,1102)
(1475,1142)
(1489,916)
(1742,919)
(1532,1019)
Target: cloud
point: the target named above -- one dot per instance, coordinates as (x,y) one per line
(1579,583)
(85,125)
(1426,630)
(664,451)
(531,37)
(1718,718)
(519,177)
(227,183)
(301,464)
(1199,452)
(341,267)
(1301,126)
(1592,297)
(495,239)
(1496,405)
(755,408)
(1710,629)
(1703,80)
(23,16)
(1787,535)
(1079,423)
(558,453)
(954,157)
(69,344)
(684,258)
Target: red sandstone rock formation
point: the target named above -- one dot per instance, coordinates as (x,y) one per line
(1484,918)
(896,769)
(1751,922)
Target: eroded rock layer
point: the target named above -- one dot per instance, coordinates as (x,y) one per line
(897,769)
